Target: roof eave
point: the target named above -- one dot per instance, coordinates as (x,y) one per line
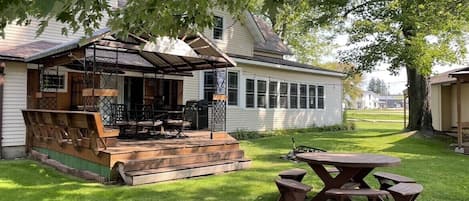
(294,68)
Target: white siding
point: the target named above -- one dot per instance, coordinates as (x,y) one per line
(260,119)
(435,105)
(14,99)
(191,87)
(17,35)
(236,37)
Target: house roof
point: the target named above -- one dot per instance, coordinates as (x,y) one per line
(445,77)
(26,50)
(273,43)
(288,63)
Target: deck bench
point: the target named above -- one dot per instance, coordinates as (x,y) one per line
(405,191)
(292,190)
(344,194)
(83,130)
(296,174)
(387,179)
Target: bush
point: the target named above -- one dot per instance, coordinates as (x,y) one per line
(241,134)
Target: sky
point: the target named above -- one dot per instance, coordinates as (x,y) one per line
(396,83)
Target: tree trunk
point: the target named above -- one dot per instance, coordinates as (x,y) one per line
(420,117)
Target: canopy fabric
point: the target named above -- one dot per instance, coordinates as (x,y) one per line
(165,55)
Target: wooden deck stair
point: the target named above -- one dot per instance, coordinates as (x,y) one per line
(177,160)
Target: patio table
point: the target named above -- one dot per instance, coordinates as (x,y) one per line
(353,167)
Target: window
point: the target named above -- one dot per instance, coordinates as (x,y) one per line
(250,93)
(321,97)
(210,87)
(261,91)
(54,82)
(303,97)
(218,28)
(273,94)
(232,88)
(283,95)
(293,95)
(312,96)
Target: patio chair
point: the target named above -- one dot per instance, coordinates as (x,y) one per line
(145,121)
(177,121)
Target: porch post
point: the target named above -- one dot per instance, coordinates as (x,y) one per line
(2,80)
(458,98)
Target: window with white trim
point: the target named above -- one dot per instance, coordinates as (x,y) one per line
(303,96)
(250,94)
(233,88)
(283,95)
(320,97)
(218,28)
(312,96)
(293,95)
(273,94)
(210,87)
(261,94)
(53,82)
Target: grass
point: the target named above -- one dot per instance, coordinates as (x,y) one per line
(395,115)
(429,160)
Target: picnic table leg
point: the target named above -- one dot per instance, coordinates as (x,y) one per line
(359,179)
(332,182)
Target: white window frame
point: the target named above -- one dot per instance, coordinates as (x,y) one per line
(240,86)
(324,97)
(297,95)
(222,28)
(65,80)
(254,93)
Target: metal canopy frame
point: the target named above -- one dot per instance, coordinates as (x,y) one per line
(130,56)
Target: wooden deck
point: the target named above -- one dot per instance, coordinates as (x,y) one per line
(77,143)
(155,160)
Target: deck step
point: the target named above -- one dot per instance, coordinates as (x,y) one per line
(178,160)
(185,171)
(124,155)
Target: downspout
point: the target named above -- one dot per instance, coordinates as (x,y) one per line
(2,80)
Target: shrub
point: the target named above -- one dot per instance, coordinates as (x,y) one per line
(241,134)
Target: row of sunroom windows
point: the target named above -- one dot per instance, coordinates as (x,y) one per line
(268,94)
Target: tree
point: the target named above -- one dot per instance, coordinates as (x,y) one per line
(290,20)
(410,34)
(372,85)
(378,86)
(145,18)
(351,83)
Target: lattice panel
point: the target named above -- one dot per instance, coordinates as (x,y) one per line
(218,116)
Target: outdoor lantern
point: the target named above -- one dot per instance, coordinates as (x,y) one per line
(2,68)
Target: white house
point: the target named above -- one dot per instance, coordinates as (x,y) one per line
(368,100)
(265,91)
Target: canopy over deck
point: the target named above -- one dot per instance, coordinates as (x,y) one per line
(165,55)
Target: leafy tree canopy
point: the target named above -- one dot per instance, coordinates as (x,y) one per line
(142,17)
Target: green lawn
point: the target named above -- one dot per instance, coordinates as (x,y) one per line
(395,115)
(430,161)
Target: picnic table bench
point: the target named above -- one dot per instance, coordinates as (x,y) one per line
(292,190)
(387,179)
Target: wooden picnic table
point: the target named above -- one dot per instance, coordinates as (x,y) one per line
(353,167)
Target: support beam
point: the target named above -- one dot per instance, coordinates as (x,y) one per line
(65,59)
(458,100)
(2,81)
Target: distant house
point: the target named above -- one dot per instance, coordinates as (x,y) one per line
(391,101)
(264,90)
(368,100)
